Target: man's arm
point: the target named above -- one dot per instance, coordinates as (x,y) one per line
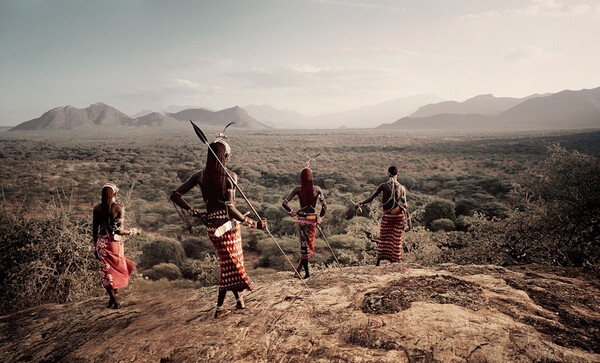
(370,199)
(95,226)
(119,219)
(233,212)
(176,196)
(285,202)
(322,200)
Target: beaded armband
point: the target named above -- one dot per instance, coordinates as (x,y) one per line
(248,222)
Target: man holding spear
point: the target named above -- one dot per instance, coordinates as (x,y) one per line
(222,220)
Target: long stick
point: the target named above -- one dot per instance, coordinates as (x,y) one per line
(328,245)
(205,140)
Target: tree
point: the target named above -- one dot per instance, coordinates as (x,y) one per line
(567,192)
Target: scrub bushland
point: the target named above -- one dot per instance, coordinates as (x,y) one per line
(503,199)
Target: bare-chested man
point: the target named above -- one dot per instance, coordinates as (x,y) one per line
(395,216)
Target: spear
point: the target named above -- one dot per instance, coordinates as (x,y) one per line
(328,245)
(203,138)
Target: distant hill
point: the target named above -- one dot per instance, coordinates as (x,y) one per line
(373,115)
(279,119)
(563,110)
(156,119)
(483,104)
(142,113)
(69,117)
(220,118)
(362,117)
(566,109)
(177,108)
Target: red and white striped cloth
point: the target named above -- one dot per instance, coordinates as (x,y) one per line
(390,238)
(234,276)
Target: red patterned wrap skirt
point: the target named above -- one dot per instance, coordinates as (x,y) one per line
(234,276)
(115,268)
(390,238)
(306,233)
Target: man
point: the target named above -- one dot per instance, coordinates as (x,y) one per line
(308,194)
(395,215)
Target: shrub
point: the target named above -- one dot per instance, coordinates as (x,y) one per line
(167,271)
(162,250)
(45,258)
(442,224)
(466,207)
(205,271)
(438,209)
(276,262)
(461,224)
(559,225)
(340,241)
(196,247)
(567,201)
(494,210)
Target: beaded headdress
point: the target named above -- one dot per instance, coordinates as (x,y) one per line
(113,186)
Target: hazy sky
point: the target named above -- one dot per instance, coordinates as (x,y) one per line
(311,56)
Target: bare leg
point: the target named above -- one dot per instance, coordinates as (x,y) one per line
(220,311)
(239,300)
(113,298)
(298,269)
(305,264)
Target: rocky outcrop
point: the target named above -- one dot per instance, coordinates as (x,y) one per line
(399,313)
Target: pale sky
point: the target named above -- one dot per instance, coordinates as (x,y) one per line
(311,56)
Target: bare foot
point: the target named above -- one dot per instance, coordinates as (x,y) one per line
(240,304)
(221,313)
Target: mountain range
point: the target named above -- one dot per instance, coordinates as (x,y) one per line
(562,110)
(101,115)
(482,104)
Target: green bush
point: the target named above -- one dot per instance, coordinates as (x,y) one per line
(443,224)
(196,247)
(205,271)
(167,271)
(277,262)
(494,210)
(161,250)
(438,209)
(461,224)
(340,241)
(466,207)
